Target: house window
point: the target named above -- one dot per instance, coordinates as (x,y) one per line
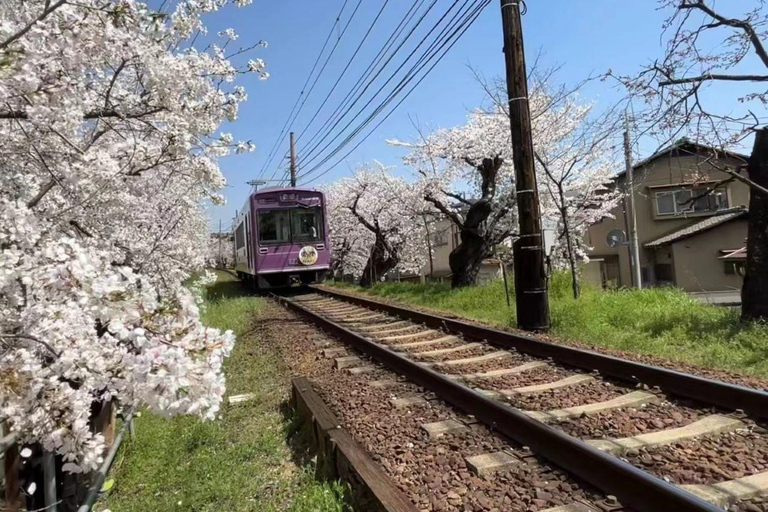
(456,239)
(680,201)
(734,268)
(439,238)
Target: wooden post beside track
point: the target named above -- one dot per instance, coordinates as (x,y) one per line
(532,300)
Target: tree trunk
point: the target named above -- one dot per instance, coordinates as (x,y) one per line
(379,263)
(429,248)
(569,244)
(754,293)
(466,259)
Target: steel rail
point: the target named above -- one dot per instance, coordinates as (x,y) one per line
(633,487)
(708,391)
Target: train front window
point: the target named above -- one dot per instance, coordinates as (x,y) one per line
(274,227)
(307,225)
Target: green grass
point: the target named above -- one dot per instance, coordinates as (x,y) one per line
(248,460)
(665,322)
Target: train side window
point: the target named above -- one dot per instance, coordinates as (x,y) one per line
(307,225)
(274,227)
(240,236)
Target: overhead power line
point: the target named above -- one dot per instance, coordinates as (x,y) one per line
(345,107)
(279,139)
(459,23)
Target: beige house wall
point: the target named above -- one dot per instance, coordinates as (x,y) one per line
(440,253)
(665,170)
(697,267)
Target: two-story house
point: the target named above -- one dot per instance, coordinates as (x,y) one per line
(691,220)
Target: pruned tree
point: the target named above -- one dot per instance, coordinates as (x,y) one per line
(476,156)
(108,121)
(376,224)
(716,52)
(573,146)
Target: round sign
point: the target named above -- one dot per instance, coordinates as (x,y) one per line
(308,255)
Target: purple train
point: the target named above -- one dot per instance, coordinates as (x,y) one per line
(281,238)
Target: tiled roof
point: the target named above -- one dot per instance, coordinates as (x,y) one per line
(687,147)
(697,227)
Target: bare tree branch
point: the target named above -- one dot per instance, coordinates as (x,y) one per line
(714,76)
(740,24)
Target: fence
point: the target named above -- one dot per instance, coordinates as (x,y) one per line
(13,497)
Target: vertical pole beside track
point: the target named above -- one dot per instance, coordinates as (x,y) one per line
(293,162)
(532,297)
(634,246)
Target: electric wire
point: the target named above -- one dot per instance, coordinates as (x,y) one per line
(485,3)
(356,87)
(322,69)
(333,124)
(303,88)
(450,34)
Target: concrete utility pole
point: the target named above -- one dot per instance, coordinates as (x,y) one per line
(634,248)
(293,162)
(532,299)
(219,260)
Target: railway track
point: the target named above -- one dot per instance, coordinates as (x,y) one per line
(656,439)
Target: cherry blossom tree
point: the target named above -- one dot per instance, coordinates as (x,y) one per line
(711,53)
(576,157)
(376,224)
(468,173)
(475,157)
(109,124)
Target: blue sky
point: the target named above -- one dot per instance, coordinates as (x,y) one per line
(584,37)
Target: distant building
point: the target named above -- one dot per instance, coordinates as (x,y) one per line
(691,224)
(444,238)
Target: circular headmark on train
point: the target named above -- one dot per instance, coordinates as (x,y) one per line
(308,255)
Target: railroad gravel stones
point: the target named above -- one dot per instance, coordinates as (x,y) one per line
(490,463)
(439,428)
(433,472)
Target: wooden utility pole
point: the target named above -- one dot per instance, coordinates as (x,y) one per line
(634,246)
(293,162)
(532,299)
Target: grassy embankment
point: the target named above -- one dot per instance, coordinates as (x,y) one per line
(665,323)
(241,462)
